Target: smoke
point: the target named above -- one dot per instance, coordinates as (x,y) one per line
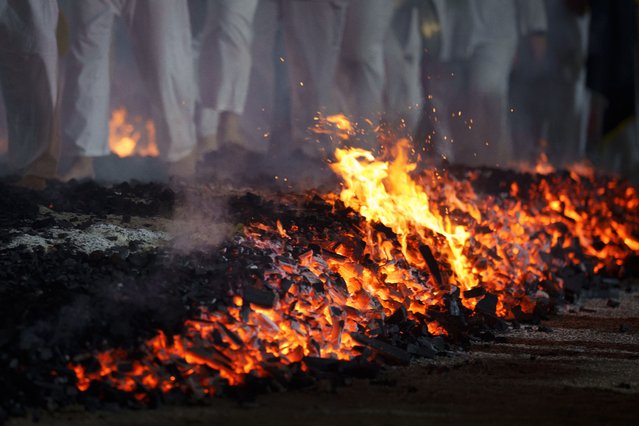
(201,219)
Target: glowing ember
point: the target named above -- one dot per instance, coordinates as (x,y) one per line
(127,139)
(338,125)
(405,246)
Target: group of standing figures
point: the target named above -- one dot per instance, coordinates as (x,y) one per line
(230,76)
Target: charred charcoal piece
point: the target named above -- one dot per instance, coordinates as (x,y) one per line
(351,368)
(286,285)
(474,292)
(288,265)
(574,285)
(487,305)
(321,364)
(453,302)
(612,303)
(399,316)
(519,314)
(233,336)
(433,266)
(631,266)
(422,350)
(487,336)
(259,297)
(390,353)
(552,288)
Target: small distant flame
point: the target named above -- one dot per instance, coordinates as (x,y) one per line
(543,166)
(127,139)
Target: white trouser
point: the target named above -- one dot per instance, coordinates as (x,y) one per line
(225,56)
(312,33)
(565,120)
(471,102)
(224,60)
(403,94)
(161,37)
(28,75)
(361,73)
(258,120)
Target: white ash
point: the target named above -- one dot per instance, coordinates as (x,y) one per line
(101,236)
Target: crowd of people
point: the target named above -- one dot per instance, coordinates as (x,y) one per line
(480,82)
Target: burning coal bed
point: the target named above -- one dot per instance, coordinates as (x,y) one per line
(394,266)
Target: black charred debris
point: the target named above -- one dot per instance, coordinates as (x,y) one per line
(60,304)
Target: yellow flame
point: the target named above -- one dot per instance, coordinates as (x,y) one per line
(385,192)
(338,125)
(124,137)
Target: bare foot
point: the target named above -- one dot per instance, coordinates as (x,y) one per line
(35,183)
(44,167)
(229,129)
(82,168)
(206,145)
(41,170)
(183,168)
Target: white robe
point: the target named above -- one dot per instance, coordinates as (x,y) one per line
(470,86)
(224,64)
(311,36)
(28,75)
(403,92)
(361,72)
(161,37)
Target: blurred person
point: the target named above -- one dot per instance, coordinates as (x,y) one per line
(28,76)
(469,84)
(313,32)
(403,49)
(613,78)
(295,56)
(223,49)
(550,96)
(361,74)
(161,39)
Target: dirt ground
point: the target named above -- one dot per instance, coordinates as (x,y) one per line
(582,369)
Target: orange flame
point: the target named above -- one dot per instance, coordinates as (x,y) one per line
(125,138)
(384,192)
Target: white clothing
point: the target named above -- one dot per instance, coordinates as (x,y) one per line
(311,33)
(223,60)
(225,57)
(566,80)
(258,120)
(28,75)
(161,37)
(361,73)
(403,94)
(466,24)
(479,43)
